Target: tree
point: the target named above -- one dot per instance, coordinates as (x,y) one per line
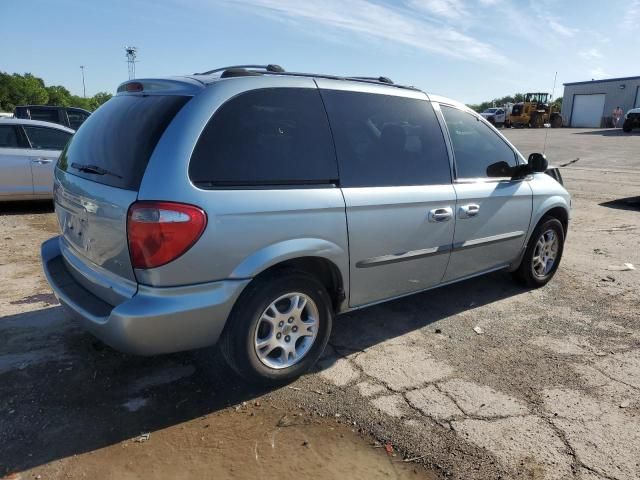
(58,95)
(498,102)
(16,89)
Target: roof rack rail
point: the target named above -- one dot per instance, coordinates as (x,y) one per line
(374,79)
(269,68)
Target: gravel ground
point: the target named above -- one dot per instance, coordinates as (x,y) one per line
(549,390)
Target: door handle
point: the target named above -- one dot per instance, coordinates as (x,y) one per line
(42,161)
(468,211)
(440,214)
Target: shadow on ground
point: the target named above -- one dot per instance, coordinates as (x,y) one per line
(26,208)
(629,203)
(64,393)
(609,132)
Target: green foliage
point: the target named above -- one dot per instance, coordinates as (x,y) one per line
(498,102)
(558,103)
(27,89)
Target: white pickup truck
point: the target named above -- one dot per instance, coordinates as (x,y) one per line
(497,116)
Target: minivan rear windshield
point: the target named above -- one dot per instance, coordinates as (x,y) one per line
(114,144)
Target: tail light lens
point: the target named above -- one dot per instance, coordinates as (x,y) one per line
(159,232)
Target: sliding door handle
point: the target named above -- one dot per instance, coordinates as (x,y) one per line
(440,214)
(468,211)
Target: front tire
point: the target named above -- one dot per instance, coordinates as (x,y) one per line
(278,328)
(626,126)
(543,254)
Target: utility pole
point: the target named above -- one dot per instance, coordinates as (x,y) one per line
(84,90)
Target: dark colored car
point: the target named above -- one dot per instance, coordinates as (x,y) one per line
(68,116)
(631,120)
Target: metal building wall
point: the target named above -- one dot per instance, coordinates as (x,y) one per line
(614,95)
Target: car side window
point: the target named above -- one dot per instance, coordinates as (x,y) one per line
(385,140)
(44,114)
(43,138)
(9,137)
(475,145)
(76,118)
(269,136)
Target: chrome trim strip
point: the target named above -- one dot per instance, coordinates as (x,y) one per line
(402,257)
(479,242)
(427,252)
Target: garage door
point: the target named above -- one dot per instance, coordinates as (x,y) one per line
(637,104)
(587,110)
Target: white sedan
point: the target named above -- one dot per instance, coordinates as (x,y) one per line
(29,150)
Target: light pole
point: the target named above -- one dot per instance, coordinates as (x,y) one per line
(84,90)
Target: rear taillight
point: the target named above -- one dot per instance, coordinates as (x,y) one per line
(159,232)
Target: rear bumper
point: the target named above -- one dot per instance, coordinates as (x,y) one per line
(154,320)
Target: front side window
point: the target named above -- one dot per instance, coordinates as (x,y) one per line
(384,140)
(270,136)
(475,145)
(43,138)
(8,137)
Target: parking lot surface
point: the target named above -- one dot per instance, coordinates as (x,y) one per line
(478,380)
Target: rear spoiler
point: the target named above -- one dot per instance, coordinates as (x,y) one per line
(161,86)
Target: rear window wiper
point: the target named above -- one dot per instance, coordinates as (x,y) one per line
(93,169)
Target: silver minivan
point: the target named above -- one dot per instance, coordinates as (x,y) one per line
(248,206)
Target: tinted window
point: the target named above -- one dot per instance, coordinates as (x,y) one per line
(8,137)
(76,118)
(119,138)
(475,145)
(44,114)
(274,136)
(44,138)
(384,140)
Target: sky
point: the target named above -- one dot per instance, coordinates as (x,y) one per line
(468,50)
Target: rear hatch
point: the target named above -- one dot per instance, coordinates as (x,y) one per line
(98,177)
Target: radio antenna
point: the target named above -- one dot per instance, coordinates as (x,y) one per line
(546,134)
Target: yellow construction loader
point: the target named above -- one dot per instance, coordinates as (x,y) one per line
(535,112)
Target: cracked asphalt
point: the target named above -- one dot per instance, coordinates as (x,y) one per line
(548,390)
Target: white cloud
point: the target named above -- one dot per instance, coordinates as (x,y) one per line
(598,73)
(559,28)
(590,54)
(399,25)
(451,9)
(632,16)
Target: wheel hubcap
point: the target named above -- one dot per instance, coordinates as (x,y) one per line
(286,330)
(545,253)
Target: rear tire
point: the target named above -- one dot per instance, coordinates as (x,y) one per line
(626,127)
(543,254)
(263,340)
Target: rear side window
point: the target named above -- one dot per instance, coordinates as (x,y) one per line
(44,114)
(118,139)
(42,138)
(475,145)
(8,137)
(384,140)
(271,136)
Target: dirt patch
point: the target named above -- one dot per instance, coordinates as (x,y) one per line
(253,442)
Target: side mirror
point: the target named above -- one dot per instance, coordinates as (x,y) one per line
(499,170)
(537,162)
